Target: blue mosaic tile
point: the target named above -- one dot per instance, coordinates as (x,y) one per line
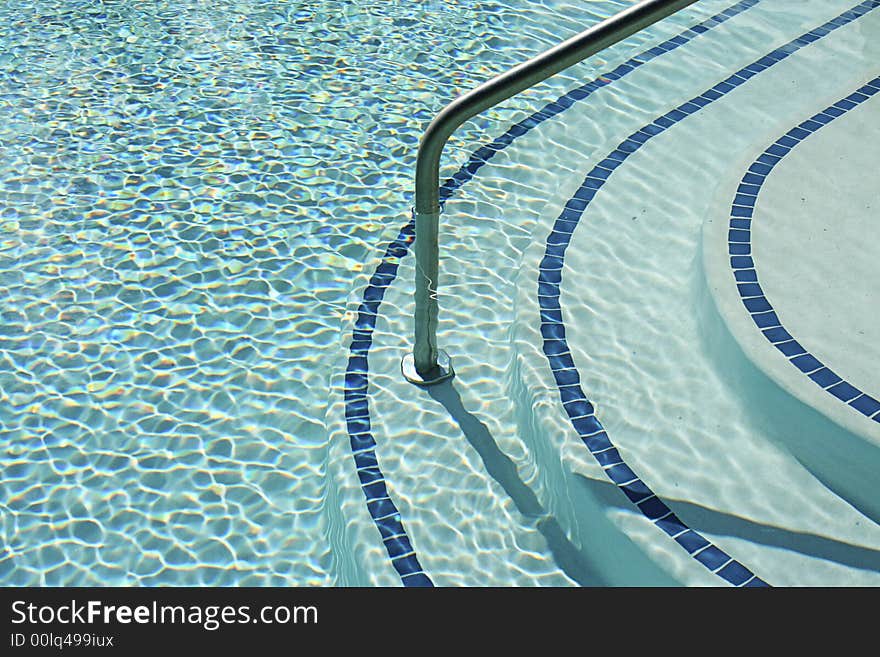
(376,490)
(750,290)
(636,491)
(822,118)
(587,426)
(567,377)
(690,107)
(620,474)
(578,407)
(369,475)
(398,546)
(548,289)
(746,275)
(366,460)
(550,276)
(407,565)
(691,541)
(560,361)
(808,38)
(608,457)
(712,558)
(381,508)
(760,169)
(866,405)
(389,526)
(757,304)
(768,159)
(551,262)
(557,238)
(774,149)
(757,67)
(549,302)
(651,129)
(791,348)
(553,331)
(824,377)
(356,381)
(654,508)
(739,248)
(555,249)
(628,146)
(777,334)
(567,222)
(416,580)
(555,347)
(598,172)
(806,363)
(671,525)
(598,442)
(735,573)
(745,188)
(357,407)
(551,316)
(360,346)
(844,391)
(357,363)
(766,320)
(571,393)
(610,163)
(810,125)
(359,436)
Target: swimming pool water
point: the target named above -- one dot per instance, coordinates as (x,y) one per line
(187,191)
(193,197)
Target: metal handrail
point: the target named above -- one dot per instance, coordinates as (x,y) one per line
(427,364)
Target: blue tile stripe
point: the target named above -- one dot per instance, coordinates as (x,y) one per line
(357,417)
(579,409)
(745,272)
(363,445)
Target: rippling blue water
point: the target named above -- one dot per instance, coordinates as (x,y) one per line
(187,190)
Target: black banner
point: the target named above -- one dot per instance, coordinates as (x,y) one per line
(263,620)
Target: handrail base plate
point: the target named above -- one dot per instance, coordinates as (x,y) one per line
(444,367)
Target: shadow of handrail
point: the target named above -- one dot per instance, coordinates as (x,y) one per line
(501,468)
(711,521)
(569,557)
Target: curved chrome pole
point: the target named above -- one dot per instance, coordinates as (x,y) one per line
(427,364)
